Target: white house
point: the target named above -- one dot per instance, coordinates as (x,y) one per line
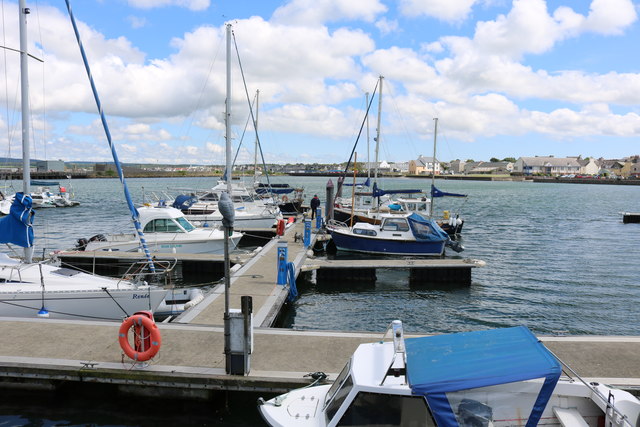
(547,165)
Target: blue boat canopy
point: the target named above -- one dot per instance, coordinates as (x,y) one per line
(426,230)
(454,362)
(17,227)
(365,183)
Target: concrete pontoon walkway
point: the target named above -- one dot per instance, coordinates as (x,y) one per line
(44,351)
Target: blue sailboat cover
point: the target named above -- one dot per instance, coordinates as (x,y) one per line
(437,193)
(453,362)
(16,227)
(377,192)
(426,230)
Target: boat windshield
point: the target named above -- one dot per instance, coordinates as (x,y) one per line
(338,382)
(185,224)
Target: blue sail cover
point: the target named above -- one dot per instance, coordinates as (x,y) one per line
(184,201)
(366,183)
(377,192)
(426,230)
(453,362)
(437,193)
(17,227)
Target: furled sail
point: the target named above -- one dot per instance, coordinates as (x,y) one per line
(17,227)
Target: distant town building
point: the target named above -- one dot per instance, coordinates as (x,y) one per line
(456,166)
(547,165)
(489,168)
(424,166)
(50,166)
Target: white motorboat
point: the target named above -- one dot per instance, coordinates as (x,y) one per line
(166,230)
(494,378)
(250,212)
(44,290)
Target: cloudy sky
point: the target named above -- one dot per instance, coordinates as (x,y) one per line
(504,78)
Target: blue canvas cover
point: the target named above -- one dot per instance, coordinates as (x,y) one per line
(426,230)
(453,362)
(437,193)
(184,201)
(16,227)
(377,192)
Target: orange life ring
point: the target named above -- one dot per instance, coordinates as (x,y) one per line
(150,327)
(285,199)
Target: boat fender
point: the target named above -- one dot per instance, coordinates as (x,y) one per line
(280,227)
(139,321)
(194,301)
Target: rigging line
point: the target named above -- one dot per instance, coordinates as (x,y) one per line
(204,86)
(246,125)
(114,300)
(134,212)
(6,80)
(44,104)
(253,118)
(364,121)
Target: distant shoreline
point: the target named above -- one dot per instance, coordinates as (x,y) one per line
(61,176)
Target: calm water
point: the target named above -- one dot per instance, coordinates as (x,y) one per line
(559,260)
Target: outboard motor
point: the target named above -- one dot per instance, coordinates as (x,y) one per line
(472,413)
(456,246)
(98,238)
(81,244)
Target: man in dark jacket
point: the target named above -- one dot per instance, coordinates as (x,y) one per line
(315,204)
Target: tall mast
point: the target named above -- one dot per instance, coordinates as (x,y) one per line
(255,155)
(366,105)
(227,113)
(24,93)
(26,111)
(433,173)
(375,175)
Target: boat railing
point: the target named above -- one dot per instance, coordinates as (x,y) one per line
(608,401)
(139,274)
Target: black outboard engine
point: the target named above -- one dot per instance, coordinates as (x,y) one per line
(98,238)
(456,246)
(81,244)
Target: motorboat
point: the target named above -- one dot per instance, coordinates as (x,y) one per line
(250,212)
(397,234)
(492,378)
(166,230)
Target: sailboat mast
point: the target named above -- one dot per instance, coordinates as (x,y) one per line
(255,154)
(366,104)
(227,113)
(433,172)
(375,175)
(24,93)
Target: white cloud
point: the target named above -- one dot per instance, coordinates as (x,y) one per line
(318,12)
(387,26)
(136,21)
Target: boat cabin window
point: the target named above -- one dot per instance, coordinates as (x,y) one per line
(338,391)
(209,197)
(185,224)
(162,226)
(377,409)
(395,224)
(364,232)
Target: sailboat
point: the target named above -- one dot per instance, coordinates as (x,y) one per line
(369,206)
(30,289)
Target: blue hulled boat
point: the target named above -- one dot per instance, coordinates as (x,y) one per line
(397,234)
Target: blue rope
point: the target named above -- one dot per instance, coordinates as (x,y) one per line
(291,279)
(134,211)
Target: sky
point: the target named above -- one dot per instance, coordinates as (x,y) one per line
(503,78)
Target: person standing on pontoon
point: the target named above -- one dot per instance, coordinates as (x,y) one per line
(314,204)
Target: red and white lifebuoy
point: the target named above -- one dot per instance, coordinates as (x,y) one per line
(142,326)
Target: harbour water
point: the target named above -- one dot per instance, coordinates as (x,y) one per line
(559,261)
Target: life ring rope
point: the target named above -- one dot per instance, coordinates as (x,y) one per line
(139,321)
